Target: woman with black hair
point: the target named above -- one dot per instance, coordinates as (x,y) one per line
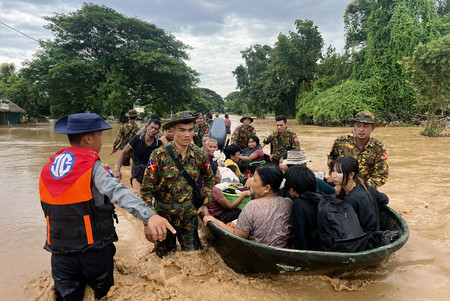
(232,153)
(364,199)
(253,152)
(266,219)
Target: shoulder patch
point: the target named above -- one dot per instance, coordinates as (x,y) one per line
(107,168)
(151,166)
(295,138)
(208,166)
(384,156)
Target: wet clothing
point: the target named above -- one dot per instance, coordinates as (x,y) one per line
(220,213)
(240,136)
(367,211)
(77,180)
(173,194)
(72,272)
(372,159)
(141,154)
(200,131)
(282,143)
(268,221)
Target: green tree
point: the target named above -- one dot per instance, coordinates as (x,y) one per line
(293,62)
(251,78)
(102,61)
(429,71)
(379,34)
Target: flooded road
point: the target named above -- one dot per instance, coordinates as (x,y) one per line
(418,188)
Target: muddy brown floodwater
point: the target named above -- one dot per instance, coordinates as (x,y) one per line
(418,188)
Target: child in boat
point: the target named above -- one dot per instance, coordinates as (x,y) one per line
(352,188)
(266,219)
(220,207)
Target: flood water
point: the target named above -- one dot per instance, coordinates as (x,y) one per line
(418,188)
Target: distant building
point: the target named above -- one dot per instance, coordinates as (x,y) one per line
(9,111)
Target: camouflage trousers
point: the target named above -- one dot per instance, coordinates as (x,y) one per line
(183,217)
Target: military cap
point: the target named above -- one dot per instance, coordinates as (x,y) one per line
(81,123)
(363,116)
(245,117)
(180,117)
(131,113)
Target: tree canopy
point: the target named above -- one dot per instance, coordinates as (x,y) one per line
(101,61)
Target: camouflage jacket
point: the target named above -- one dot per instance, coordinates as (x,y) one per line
(281,144)
(240,136)
(163,181)
(373,165)
(199,132)
(126,132)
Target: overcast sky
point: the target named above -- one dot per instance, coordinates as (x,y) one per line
(216,29)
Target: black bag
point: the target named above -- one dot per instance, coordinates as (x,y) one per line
(338,226)
(197,196)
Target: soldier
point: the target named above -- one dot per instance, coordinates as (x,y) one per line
(200,128)
(126,132)
(174,196)
(281,140)
(141,146)
(242,132)
(369,152)
(78,191)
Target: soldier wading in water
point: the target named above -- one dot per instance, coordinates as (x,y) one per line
(172,192)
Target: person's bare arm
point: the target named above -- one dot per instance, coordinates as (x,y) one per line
(127,149)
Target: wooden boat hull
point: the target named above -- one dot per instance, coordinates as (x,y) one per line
(248,257)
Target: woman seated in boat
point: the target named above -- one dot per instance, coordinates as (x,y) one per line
(352,188)
(253,152)
(220,207)
(266,219)
(232,153)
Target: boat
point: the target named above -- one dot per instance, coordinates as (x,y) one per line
(248,257)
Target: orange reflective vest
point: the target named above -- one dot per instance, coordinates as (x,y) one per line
(74,223)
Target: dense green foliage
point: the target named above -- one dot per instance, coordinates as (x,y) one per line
(272,77)
(104,62)
(429,69)
(367,75)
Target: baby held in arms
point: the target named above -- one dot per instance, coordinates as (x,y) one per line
(266,219)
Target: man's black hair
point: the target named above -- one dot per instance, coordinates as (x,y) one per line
(270,174)
(300,178)
(75,139)
(155,121)
(281,117)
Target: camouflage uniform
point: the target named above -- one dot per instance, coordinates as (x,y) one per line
(173,194)
(372,158)
(126,133)
(240,136)
(200,131)
(280,144)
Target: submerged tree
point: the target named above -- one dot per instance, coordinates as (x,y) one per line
(429,71)
(102,61)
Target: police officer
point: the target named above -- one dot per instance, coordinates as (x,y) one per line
(126,132)
(369,152)
(173,194)
(242,132)
(281,140)
(77,191)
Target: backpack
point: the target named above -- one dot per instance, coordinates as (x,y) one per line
(338,226)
